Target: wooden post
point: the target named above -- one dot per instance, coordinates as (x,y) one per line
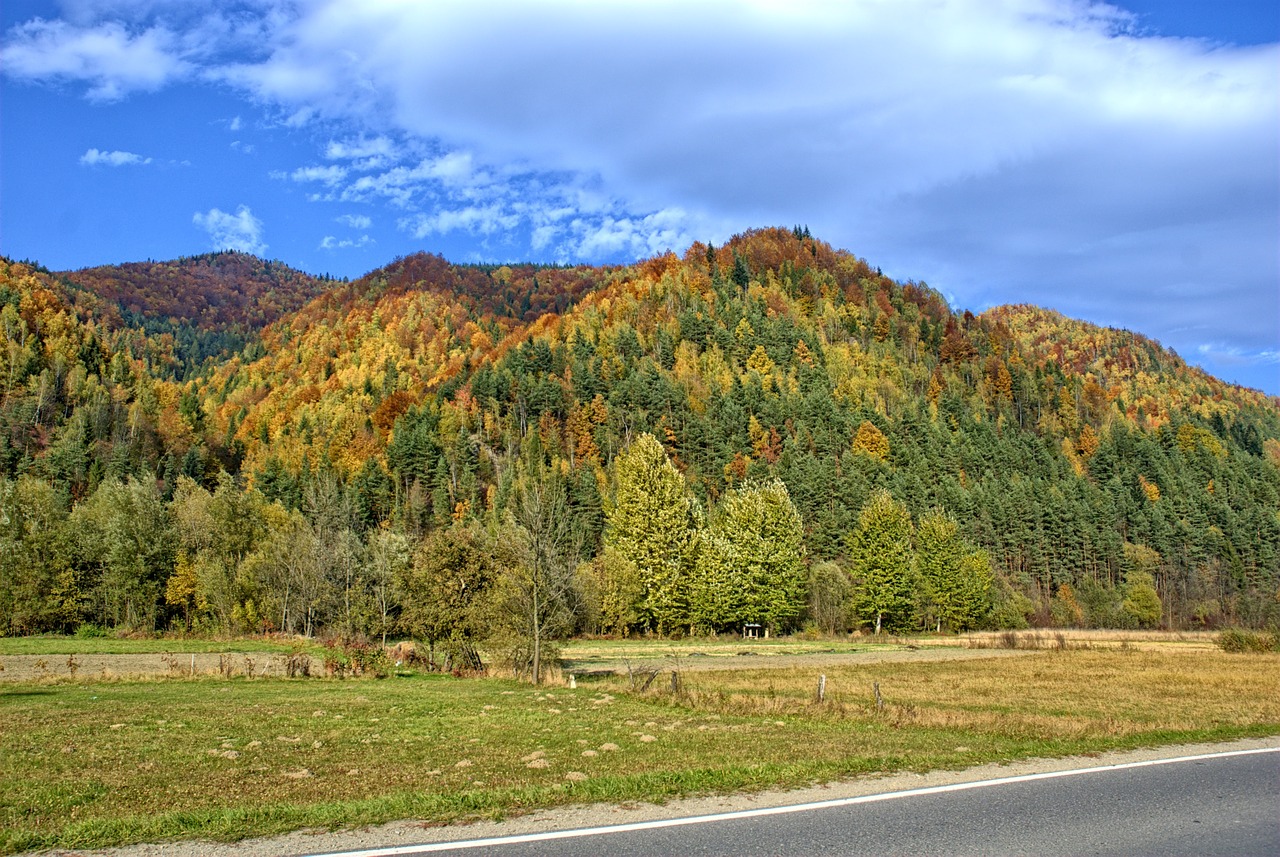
(193,664)
(573,682)
(879,700)
(822,688)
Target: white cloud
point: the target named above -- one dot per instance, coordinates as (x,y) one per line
(240,231)
(235,124)
(475,220)
(369,151)
(108,57)
(96,157)
(330,242)
(355,221)
(330,175)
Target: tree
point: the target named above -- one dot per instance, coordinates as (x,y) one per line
(881,562)
(612,590)
(125,529)
(217,532)
(444,594)
(870,441)
(536,596)
(829,596)
(750,562)
(389,556)
(651,521)
(39,589)
(1141,601)
(955,578)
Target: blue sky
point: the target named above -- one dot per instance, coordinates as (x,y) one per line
(1119,163)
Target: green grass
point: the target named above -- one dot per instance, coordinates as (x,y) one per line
(63,645)
(97,764)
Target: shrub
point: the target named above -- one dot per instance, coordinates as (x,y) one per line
(1240,640)
(355,657)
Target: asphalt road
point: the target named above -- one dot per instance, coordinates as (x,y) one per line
(1224,804)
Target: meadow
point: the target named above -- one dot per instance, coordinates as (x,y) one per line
(92,762)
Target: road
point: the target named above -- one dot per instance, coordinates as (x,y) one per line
(1226,803)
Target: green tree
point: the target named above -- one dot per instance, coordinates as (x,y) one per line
(882,563)
(955,578)
(750,560)
(444,593)
(125,530)
(1141,601)
(650,521)
(39,589)
(612,592)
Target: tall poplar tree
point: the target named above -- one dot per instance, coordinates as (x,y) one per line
(882,563)
(750,565)
(651,521)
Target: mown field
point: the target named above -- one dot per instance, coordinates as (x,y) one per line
(87,763)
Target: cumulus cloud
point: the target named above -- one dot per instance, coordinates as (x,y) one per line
(112,60)
(240,231)
(96,157)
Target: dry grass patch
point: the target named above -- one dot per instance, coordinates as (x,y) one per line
(1066,693)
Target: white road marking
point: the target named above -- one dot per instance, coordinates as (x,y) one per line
(773,810)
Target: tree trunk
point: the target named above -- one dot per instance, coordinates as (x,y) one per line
(537,641)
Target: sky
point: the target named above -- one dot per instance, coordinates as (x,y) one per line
(1118,163)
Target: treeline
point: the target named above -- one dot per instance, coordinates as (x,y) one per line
(1086,465)
(524,574)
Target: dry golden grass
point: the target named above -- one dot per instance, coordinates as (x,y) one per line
(1064,693)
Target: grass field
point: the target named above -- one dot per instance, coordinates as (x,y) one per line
(85,764)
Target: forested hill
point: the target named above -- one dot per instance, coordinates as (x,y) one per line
(1074,456)
(212,305)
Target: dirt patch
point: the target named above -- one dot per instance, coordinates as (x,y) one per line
(89,667)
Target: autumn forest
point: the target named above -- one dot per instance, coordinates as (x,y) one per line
(769,431)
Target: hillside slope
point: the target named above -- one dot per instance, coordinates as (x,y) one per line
(1074,455)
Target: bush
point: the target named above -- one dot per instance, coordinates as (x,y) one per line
(1239,640)
(89,631)
(355,657)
